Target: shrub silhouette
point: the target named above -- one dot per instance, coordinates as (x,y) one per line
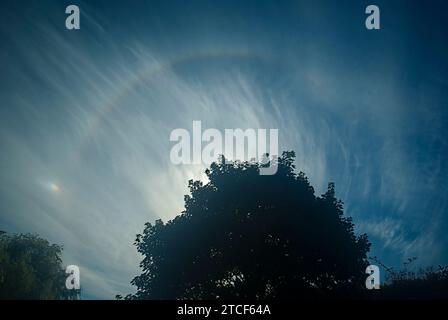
(423,284)
(247,236)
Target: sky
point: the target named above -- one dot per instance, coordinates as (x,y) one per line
(86,115)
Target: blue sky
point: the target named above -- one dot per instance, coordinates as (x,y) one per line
(85,116)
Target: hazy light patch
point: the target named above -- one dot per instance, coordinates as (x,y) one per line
(54,187)
(51,187)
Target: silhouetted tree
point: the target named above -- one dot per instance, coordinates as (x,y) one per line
(31,268)
(245,235)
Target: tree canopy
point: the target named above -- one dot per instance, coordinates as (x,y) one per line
(31,268)
(244,235)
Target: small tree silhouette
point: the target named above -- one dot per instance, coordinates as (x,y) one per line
(243,235)
(31,268)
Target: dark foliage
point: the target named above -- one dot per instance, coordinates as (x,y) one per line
(423,284)
(31,268)
(244,235)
